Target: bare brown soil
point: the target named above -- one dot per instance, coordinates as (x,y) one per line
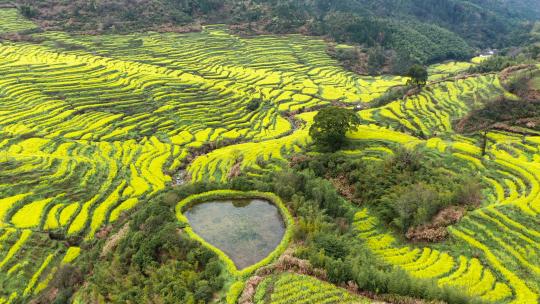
(436,230)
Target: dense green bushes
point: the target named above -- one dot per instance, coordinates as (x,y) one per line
(502,113)
(413,42)
(426,43)
(406,190)
(28,11)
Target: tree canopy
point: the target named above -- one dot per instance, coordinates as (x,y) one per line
(330,126)
(418,74)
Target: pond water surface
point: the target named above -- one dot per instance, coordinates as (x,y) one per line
(246,230)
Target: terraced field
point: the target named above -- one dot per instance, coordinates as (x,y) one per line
(294,288)
(12,21)
(87,134)
(431,112)
(91,126)
(535,83)
(500,263)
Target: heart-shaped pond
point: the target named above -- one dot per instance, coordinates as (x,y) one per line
(247,230)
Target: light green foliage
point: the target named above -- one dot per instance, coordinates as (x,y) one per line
(12,21)
(293,288)
(535,83)
(234,292)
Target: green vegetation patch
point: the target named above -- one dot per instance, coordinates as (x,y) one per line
(12,21)
(294,288)
(535,83)
(503,114)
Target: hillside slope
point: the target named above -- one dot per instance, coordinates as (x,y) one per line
(422,31)
(101,136)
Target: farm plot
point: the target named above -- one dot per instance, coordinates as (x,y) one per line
(12,21)
(220,163)
(89,129)
(432,111)
(99,180)
(294,288)
(503,233)
(28,262)
(92,126)
(442,70)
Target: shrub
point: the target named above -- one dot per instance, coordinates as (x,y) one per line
(332,245)
(153,261)
(468,193)
(406,160)
(418,75)
(407,189)
(410,206)
(253,105)
(28,11)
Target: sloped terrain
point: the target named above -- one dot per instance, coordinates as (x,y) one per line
(92,127)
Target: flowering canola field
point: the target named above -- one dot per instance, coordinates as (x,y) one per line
(499,255)
(91,126)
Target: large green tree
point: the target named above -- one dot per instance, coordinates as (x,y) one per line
(330,126)
(418,75)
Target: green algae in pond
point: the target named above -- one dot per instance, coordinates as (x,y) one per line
(246,230)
